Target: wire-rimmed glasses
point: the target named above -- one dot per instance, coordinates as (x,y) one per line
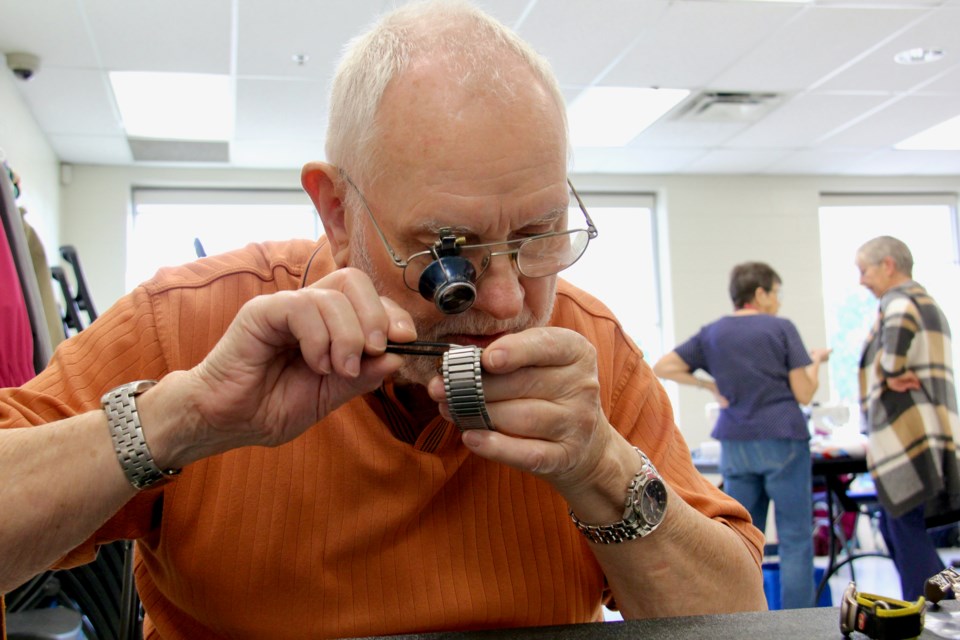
(536,256)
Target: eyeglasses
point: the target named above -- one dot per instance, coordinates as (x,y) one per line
(537,256)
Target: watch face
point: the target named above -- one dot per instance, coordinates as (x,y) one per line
(653,502)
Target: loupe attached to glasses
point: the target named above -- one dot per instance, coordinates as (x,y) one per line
(450,281)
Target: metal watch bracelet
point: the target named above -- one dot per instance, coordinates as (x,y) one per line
(464,387)
(124,422)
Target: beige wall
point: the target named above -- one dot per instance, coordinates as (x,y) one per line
(27,152)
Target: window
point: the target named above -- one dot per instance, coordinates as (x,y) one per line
(929,226)
(166,222)
(620,265)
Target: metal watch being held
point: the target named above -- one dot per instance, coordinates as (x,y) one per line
(464,387)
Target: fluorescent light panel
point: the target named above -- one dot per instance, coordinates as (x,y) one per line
(178,106)
(613,116)
(942,137)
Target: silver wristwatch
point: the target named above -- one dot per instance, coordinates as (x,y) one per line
(645,507)
(464,387)
(124,421)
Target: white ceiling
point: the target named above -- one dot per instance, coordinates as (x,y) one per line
(844,101)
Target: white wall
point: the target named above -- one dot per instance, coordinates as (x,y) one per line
(27,152)
(708,224)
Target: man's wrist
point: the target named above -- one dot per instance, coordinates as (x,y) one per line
(168,417)
(126,433)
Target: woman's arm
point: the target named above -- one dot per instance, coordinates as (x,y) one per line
(805,380)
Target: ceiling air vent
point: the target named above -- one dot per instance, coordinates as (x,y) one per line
(155,150)
(728,106)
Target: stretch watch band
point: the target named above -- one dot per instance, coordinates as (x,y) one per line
(124,421)
(879,617)
(464,387)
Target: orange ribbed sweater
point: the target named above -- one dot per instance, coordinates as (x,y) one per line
(347,530)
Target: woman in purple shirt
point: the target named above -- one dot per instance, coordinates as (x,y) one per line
(761,374)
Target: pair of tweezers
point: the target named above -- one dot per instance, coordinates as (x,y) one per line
(418,348)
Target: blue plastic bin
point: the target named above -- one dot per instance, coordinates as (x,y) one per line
(771,586)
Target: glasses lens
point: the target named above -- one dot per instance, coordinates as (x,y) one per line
(546,256)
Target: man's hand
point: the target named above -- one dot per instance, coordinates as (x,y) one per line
(286,361)
(543,397)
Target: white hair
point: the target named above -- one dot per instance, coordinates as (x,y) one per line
(875,250)
(476,47)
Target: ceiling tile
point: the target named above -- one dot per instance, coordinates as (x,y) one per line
(878,72)
(173,35)
(895,122)
(281,110)
(52,29)
(685,49)
(269,38)
(92,149)
(629,160)
(910,163)
(89,110)
(818,42)
(804,119)
(815,161)
(734,161)
(581,39)
(275,155)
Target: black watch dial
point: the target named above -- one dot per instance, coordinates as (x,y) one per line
(653,502)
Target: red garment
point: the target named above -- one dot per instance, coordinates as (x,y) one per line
(16,337)
(347,530)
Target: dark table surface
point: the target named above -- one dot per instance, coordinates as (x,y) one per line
(796,624)
(819,465)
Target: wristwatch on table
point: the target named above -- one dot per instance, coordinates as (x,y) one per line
(134,456)
(879,617)
(945,583)
(645,507)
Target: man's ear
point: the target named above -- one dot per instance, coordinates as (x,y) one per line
(322,183)
(889,266)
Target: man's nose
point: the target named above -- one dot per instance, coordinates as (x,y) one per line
(499,291)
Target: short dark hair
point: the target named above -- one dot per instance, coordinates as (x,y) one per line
(746,277)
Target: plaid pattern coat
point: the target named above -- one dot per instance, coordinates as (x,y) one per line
(915,435)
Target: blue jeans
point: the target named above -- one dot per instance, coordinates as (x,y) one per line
(912,550)
(757,471)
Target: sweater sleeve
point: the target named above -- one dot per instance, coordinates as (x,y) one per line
(120,346)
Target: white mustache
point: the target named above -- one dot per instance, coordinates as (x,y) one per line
(475,325)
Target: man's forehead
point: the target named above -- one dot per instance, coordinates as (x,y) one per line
(455,222)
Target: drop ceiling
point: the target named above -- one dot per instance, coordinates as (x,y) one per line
(841,101)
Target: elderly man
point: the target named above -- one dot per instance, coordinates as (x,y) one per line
(324,491)
(909,402)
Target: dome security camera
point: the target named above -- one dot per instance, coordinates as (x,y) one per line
(23,65)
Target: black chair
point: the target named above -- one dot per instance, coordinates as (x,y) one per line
(71,310)
(101,595)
